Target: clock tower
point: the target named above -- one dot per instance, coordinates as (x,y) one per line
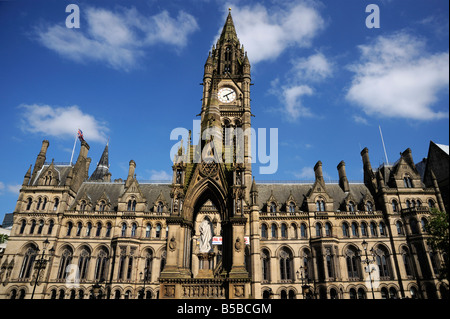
(209,226)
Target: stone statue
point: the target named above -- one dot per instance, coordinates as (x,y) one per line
(205,236)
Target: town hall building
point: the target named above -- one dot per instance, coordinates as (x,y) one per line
(214,231)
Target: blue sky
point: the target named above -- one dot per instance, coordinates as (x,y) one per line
(131,74)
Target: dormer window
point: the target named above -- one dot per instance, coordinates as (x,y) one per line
(351,207)
(291,207)
(320,205)
(159,207)
(273,207)
(407,182)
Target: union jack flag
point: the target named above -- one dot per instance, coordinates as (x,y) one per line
(80,135)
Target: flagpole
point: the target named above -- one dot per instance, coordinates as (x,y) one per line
(384,147)
(73,150)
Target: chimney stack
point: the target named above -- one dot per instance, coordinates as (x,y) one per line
(343,181)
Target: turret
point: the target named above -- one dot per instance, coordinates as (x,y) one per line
(40,160)
(131,169)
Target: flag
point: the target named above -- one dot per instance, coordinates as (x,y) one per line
(80,135)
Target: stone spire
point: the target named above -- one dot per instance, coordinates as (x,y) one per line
(228,31)
(102,170)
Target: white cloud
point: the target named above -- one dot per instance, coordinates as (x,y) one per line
(307,173)
(15,189)
(159,175)
(266,33)
(117,38)
(396,77)
(10,188)
(360,120)
(61,122)
(314,68)
(293,104)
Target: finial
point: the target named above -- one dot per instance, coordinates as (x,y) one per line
(229,9)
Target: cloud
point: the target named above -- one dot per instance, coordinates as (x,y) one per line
(159,175)
(267,33)
(307,173)
(61,122)
(360,120)
(118,39)
(396,77)
(314,68)
(10,188)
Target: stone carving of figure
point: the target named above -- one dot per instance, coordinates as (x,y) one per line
(205,236)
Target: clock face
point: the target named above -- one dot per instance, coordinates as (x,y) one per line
(226,95)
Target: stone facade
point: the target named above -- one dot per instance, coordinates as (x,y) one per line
(214,232)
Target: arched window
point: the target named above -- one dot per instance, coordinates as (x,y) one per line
(285,264)
(361,293)
(431,203)
(345,231)
(38,206)
(364,229)
(407,182)
(423,223)
(273,207)
(384,293)
(160,207)
(291,207)
(294,231)
(353,263)
(148,229)
(33,226)
(382,229)
(320,205)
(284,231)
(413,292)
(108,230)
(29,202)
(124,230)
(318,230)
(148,265)
(394,206)
(44,203)
(41,227)
(50,227)
(133,230)
(408,203)
(101,206)
(79,227)
(328,230)
(399,226)
(407,262)
(373,229)
(355,229)
(303,232)
(28,263)
(55,206)
(351,206)
(333,294)
(158,231)
(291,294)
(99,229)
(101,265)
(383,262)
(83,262)
(413,226)
(352,293)
(88,229)
(283,294)
(66,260)
(393,293)
(369,206)
(69,228)
(22,226)
(274,231)
(265,264)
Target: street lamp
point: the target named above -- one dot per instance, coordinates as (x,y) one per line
(41,263)
(368,262)
(145,280)
(306,289)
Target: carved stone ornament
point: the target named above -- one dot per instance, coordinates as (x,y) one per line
(239,291)
(238,245)
(172,244)
(169,291)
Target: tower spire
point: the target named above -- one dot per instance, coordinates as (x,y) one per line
(228,31)
(102,168)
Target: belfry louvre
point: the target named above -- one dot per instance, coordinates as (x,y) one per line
(215,232)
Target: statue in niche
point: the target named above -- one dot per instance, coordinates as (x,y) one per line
(205,236)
